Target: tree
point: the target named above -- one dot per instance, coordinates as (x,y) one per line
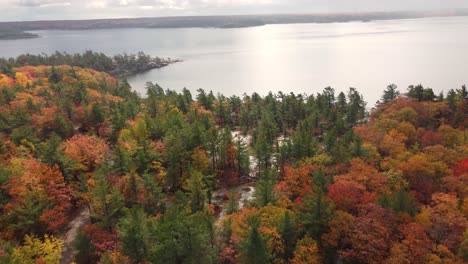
(349,195)
(366,175)
(197,190)
(338,229)
(133,232)
(106,202)
(84,249)
(264,193)
(200,161)
(372,224)
(243,158)
(54,76)
(416,92)
(254,250)
(414,247)
(264,137)
(35,250)
(307,252)
(447,224)
(400,202)
(424,175)
(463,250)
(296,182)
(182,238)
(314,214)
(233,203)
(390,94)
(39,196)
(102,240)
(176,153)
(88,151)
(287,230)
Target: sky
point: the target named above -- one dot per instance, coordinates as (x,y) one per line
(18,10)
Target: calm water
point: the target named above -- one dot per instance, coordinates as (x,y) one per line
(302,58)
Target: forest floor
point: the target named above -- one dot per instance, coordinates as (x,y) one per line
(80,220)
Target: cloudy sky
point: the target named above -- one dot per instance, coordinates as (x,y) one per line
(15,10)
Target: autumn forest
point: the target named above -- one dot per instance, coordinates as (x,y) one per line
(92,172)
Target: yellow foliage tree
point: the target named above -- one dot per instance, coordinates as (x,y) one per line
(307,252)
(35,250)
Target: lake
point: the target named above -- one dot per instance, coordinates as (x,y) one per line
(300,58)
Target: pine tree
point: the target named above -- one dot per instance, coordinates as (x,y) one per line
(233,203)
(254,249)
(84,249)
(390,94)
(316,210)
(243,159)
(197,190)
(133,232)
(287,230)
(264,193)
(106,202)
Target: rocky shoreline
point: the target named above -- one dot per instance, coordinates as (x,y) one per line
(153,63)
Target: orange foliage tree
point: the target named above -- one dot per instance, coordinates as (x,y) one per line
(88,151)
(31,177)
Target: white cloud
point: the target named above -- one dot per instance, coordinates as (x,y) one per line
(42,3)
(81,9)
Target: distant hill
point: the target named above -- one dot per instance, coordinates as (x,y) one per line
(237,21)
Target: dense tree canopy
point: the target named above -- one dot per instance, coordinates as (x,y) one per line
(181,178)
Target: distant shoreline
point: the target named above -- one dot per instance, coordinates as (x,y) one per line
(234,21)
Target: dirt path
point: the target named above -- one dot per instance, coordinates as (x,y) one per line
(69,237)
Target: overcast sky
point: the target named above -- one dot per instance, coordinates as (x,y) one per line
(15,10)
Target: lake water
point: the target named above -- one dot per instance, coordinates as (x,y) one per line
(300,58)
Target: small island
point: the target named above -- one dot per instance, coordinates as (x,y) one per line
(119,66)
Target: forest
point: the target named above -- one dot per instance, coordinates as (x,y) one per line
(120,65)
(92,172)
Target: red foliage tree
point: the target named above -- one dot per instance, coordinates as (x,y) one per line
(370,236)
(296,183)
(430,138)
(102,240)
(349,195)
(447,222)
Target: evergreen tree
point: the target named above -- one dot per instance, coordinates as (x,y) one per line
(181,237)
(264,193)
(316,210)
(84,249)
(233,203)
(133,232)
(390,94)
(254,249)
(153,202)
(400,201)
(54,76)
(287,230)
(243,158)
(452,100)
(106,202)
(197,190)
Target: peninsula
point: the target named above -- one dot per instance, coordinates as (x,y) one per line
(119,66)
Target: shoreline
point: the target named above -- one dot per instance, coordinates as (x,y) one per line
(155,63)
(231,21)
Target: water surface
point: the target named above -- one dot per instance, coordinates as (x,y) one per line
(300,58)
